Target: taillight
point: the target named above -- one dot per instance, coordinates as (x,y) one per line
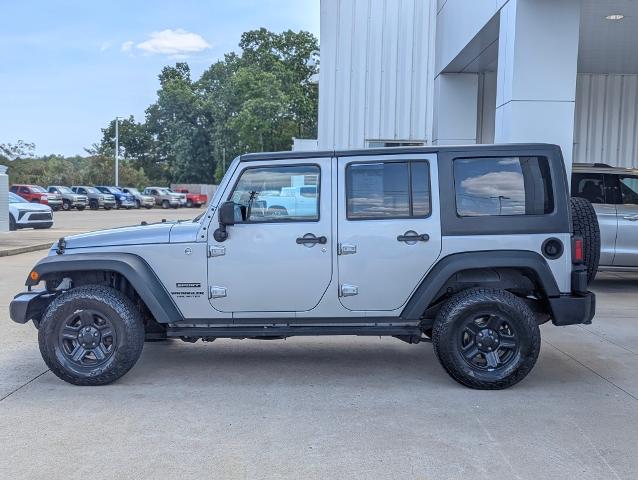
(578,254)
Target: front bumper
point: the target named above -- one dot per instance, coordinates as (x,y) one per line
(27,306)
(573,309)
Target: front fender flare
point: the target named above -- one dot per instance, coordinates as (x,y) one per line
(132,267)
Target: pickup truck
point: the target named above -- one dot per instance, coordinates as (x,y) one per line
(37,194)
(288,201)
(193,199)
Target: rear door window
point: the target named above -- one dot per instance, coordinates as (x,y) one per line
(387,190)
(628,189)
(503,186)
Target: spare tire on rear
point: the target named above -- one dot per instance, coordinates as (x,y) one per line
(585,225)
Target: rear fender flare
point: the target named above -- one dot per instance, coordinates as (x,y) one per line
(430,286)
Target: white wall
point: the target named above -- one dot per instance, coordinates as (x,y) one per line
(606,119)
(376,76)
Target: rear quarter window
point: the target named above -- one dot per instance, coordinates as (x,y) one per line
(502,186)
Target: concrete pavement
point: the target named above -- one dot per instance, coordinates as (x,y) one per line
(325,407)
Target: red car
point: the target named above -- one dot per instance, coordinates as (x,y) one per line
(194,199)
(37,194)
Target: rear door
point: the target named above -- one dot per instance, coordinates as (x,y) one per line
(627,208)
(389,229)
(596,188)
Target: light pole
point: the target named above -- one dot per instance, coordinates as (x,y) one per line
(117,152)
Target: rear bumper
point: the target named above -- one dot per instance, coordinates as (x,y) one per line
(27,306)
(573,309)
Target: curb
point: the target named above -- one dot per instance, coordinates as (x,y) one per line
(31,248)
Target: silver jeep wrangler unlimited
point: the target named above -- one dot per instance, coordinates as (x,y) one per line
(470,248)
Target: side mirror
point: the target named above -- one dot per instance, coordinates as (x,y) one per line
(226,216)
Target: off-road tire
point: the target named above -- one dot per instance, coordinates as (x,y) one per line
(189,203)
(13,226)
(118,309)
(449,326)
(66,205)
(94,205)
(80,208)
(585,225)
(165,204)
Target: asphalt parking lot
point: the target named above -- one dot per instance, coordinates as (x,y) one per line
(325,407)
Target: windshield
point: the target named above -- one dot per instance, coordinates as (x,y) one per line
(163,191)
(13,198)
(63,189)
(38,189)
(92,190)
(134,191)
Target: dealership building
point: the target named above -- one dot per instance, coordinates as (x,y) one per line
(441,72)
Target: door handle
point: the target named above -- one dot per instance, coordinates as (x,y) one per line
(413,237)
(631,218)
(311,239)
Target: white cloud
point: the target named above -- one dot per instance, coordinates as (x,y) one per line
(173,42)
(126,46)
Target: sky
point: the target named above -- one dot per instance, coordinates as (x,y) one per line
(68,67)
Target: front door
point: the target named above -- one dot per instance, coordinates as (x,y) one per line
(388,227)
(278,255)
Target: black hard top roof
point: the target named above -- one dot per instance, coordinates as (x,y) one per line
(287,155)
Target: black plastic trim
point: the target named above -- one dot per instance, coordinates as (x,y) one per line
(448,266)
(132,267)
(293,330)
(573,309)
(29,305)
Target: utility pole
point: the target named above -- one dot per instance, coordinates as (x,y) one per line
(224,158)
(117,152)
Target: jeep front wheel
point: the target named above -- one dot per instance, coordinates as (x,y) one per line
(91,335)
(486,339)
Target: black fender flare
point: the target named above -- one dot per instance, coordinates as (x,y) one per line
(132,267)
(452,264)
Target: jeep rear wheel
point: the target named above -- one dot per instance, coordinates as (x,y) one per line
(91,335)
(585,225)
(486,339)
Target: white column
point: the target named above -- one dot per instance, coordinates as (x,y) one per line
(455,109)
(537,65)
(4,200)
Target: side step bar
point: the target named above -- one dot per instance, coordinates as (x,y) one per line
(252,331)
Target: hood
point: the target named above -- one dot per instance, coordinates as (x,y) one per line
(29,207)
(137,235)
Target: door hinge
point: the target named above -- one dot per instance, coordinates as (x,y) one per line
(216,251)
(346,290)
(346,249)
(216,292)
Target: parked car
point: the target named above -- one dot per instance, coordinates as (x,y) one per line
(614,194)
(69,198)
(163,197)
(37,194)
(23,214)
(182,197)
(145,201)
(122,200)
(96,198)
(468,247)
(193,199)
